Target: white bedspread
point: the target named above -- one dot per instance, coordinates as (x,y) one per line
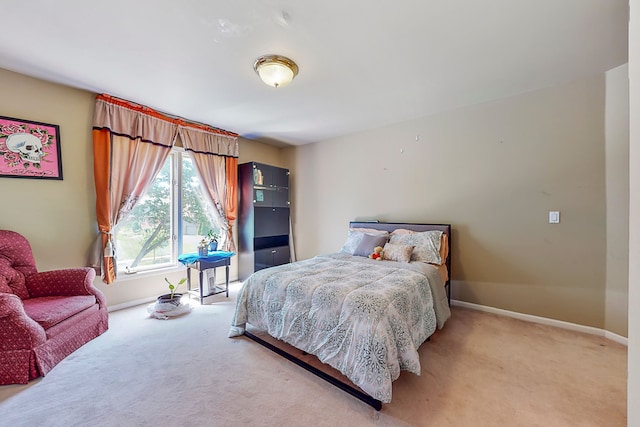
(365,318)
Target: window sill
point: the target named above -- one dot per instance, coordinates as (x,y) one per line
(125,277)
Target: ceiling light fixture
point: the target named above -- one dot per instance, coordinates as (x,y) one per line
(275,70)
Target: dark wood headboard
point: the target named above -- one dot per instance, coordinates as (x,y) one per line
(390,226)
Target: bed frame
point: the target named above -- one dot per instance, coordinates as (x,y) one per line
(349,388)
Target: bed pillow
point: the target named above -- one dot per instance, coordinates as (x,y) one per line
(370,230)
(427,244)
(444,242)
(400,253)
(369,242)
(354,238)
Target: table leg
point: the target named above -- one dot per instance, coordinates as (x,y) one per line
(227,278)
(201,287)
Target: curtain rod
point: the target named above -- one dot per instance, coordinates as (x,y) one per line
(163,116)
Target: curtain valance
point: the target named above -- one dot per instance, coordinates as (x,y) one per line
(135,121)
(204,142)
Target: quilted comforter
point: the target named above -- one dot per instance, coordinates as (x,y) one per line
(365,318)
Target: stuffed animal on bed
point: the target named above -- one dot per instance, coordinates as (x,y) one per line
(377,253)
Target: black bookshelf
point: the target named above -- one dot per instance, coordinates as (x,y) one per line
(263,217)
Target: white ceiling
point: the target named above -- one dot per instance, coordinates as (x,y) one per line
(363,63)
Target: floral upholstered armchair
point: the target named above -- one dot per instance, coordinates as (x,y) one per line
(44,316)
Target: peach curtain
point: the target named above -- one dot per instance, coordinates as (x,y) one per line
(231,204)
(216,160)
(130,147)
(131,144)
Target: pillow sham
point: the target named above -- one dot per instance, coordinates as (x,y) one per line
(444,242)
(402,231)
(427,245)
(370,230)
(368,243)
(354,238)
(400,253)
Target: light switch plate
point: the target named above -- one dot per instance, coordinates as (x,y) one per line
(554,217)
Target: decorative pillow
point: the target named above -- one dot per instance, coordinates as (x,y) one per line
(354,238)
(400,253)
(369,242)
(427,245)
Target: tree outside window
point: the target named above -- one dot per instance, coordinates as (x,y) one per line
(144,238)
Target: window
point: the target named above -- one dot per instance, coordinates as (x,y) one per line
(171,218)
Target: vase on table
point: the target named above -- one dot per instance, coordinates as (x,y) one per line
(203,249)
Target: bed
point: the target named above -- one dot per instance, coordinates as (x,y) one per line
(366,318)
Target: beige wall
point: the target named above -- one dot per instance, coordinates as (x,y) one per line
(493,171)
(254,151)
(58,217)
(617,190)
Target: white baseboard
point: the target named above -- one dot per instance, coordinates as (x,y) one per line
(129,304)
(616,338)
(544,321)
(526,317)
(151,299)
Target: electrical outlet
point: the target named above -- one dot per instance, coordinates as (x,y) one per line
(554,217)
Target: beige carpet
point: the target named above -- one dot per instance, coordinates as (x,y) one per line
(480,370)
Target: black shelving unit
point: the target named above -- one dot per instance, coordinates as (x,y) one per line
(263,217)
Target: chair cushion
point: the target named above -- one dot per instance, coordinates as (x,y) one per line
(48,311)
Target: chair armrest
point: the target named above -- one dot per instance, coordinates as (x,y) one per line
(64,282)
(17,330)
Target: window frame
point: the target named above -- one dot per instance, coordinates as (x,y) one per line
(176,157)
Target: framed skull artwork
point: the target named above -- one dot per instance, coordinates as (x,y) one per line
(29,149)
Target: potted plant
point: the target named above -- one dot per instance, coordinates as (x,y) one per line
(212,237)
(172,297)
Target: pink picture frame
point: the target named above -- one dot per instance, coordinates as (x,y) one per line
(29,149)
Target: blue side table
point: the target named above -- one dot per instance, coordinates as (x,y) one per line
(201,263)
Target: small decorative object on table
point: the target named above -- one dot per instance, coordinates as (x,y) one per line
(203,247)
(212,238)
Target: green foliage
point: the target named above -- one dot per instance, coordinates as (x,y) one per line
(151,217)
(172,287)
(213,235)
